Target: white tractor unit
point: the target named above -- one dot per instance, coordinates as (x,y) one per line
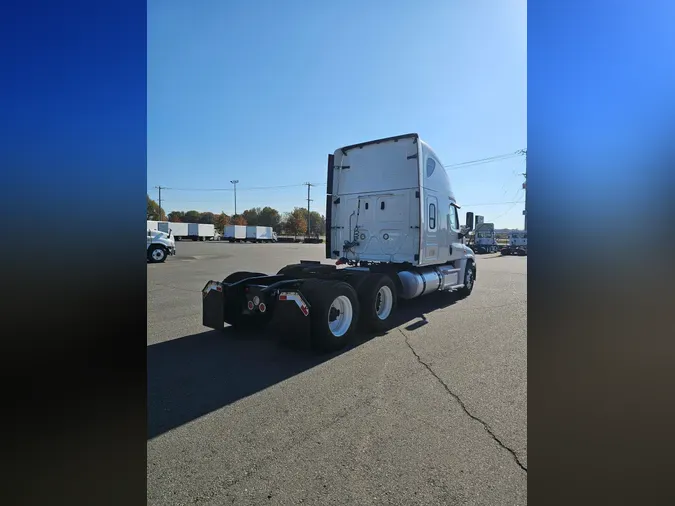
(160,246)
(393,230)
(517,244)
(485,240)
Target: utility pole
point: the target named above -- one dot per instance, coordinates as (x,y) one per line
(309,186)
(160,201)
(234,182)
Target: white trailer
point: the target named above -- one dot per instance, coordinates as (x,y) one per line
(234,233)
(178,230)
(152,225)
(201,231)
(392,218)
(260,234)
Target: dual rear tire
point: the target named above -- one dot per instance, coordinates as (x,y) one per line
(338,308)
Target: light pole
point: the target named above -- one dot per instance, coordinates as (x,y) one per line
(234,182)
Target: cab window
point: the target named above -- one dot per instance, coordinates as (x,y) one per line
(432,216)
(454,218)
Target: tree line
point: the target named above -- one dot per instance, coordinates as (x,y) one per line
(293,223)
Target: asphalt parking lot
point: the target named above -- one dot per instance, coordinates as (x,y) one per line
(432,412)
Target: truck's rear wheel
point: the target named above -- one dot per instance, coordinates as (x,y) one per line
(334,313)
(378,300)
(156,254)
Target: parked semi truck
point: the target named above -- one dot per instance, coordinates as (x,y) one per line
(517,244)
(485,240)
(393,231)
(160,246)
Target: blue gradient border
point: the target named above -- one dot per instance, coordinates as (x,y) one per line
(73,158)
(600,207)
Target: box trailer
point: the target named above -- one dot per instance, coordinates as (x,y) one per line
(152,225)
(178,230)
(234,233)
(260,234)
(201,231)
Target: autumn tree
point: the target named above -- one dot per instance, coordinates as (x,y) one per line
(239,220)
(207,218)
(191,217)
(252,216)
(221,221)
(176,216)
(154,213)
(296,223)
(269,217)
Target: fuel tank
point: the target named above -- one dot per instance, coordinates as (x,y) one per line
(425,280)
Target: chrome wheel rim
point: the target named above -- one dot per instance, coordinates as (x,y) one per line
(384,302)
(340,316)
(469,278)
(158,254)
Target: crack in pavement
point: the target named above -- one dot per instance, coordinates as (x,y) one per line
(463,406)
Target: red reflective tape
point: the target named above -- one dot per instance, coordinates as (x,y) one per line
(283,297)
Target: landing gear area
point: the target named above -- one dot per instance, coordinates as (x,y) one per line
(326,304)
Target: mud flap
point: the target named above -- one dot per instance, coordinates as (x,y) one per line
(291,320)
(213,305)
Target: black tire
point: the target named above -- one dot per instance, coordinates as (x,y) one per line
(238,276)
(321,296)
(157,254)
(469,280)
(233,313)
(377,300)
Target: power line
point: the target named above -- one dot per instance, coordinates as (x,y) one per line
(463,205)
(495,203)
(490,159)
(241,189)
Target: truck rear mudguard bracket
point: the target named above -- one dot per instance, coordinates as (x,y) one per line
(290,311)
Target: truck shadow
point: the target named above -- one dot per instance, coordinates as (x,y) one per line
(194,375)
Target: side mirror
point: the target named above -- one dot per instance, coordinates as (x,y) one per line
(463,231)
(469,221)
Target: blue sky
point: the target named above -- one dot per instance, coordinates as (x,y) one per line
(263,91)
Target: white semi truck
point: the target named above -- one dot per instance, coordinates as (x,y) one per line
(393,233)
(517,244)
(160,245)
(485,240)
